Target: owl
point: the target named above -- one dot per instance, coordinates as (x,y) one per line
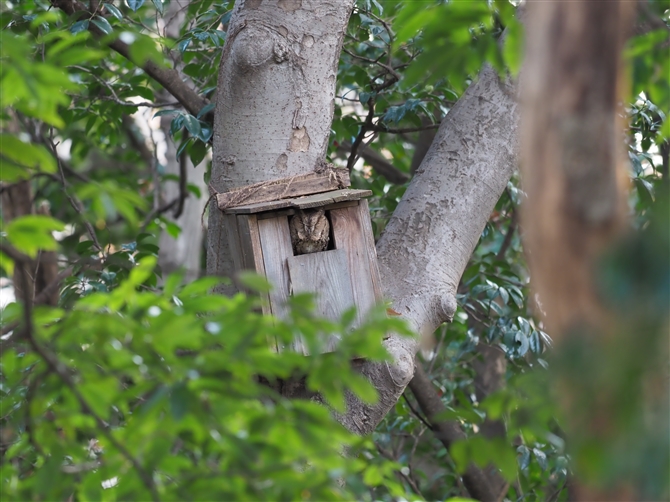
(309,231)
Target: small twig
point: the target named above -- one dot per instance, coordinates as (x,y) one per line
(409,480)
(365,127)
(183,178)
(555,494)
(156,212)
(507,241)
(390,70)
(74,201)
(443,335)
(416,412)
(63,372)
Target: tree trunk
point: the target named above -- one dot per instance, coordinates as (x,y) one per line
(573,165)
(273,118)
(574,176)
(274,100)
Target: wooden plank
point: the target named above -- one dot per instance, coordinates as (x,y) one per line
(325,199)
(308,201)
(251,254)
(326,274)
(328,179)
(348,236)
(364,218)
(275,241)
(338,205)
(233,237)
(275,214)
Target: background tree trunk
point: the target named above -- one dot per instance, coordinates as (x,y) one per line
(185,251)
(573,162)
(575,179)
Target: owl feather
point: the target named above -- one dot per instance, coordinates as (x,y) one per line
(310,231)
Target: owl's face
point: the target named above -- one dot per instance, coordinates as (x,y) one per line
(311,223)
(309,231)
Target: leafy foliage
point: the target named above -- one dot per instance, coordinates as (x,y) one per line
(135,386)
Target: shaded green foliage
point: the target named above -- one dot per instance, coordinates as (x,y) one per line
(136,386)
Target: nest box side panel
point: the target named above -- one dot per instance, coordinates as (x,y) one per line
(327,274)
(233,237)
(276,247)
(349,234)
(245,248)
(369,236)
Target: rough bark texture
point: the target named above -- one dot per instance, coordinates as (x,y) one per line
(433,232)
(274,111)
(274,99)
(573,168)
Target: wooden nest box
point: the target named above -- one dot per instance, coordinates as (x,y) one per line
(343,273)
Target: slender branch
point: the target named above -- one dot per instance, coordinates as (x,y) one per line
(156,212)
(416,412)
(63,372)
(183,178)
(438,347)
(507,241)
(408,479)
(378,163)
(365,127)
(170,79)
(389,69)
(475,479)
(403,130)
(74,201)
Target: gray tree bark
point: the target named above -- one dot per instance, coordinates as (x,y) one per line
(273,117)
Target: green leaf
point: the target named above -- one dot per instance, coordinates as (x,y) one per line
(113,10)
(183,44)
(255,282)
(31,233)
(205,110)
(159,5)
(134,4)
(192,125)
(79,26)
(513,46)
(7,264)
(197,152)
(103,24)
(144,49)
(22,155)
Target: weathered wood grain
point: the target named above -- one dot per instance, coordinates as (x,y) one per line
(232,233)
(250,252)
(276,246)
(326,274)
(284,188)
(306,202)
(364,218)
(348,236)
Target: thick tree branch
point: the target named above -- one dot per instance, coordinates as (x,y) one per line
(433,232)
(378,163)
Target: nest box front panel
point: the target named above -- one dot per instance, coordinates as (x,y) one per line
(343,275)
(326,274)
